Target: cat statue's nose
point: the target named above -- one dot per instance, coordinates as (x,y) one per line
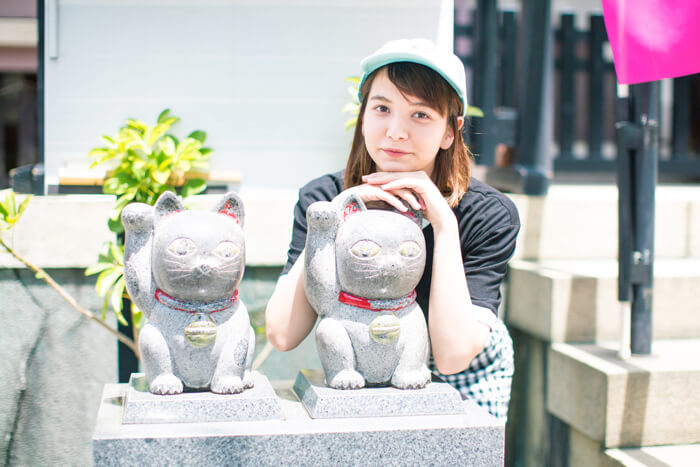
(204,269)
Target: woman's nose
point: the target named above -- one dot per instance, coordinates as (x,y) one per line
(396,129)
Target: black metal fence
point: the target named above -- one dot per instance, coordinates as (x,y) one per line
(583,90)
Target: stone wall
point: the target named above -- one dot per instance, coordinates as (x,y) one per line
(55,364)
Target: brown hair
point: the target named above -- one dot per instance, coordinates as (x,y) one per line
(452,167)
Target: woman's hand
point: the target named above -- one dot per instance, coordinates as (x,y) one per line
(419,191)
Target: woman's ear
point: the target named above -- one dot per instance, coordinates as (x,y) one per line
(449,137)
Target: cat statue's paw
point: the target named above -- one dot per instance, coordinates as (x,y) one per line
(248,379)
(347,379)
(166,383)
(229,384)
(413,379)
(138,217)
(322,215)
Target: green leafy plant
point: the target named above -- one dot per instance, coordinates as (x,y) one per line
(353,107)
(143,161)
(10,213)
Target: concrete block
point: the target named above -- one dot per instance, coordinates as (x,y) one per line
(323,402)
(576,300)
(258,403)
(682,455)
(642,401)
(694,229)
(61,231)
(580,221)
(472,438)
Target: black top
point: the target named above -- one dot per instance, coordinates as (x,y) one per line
(488,225)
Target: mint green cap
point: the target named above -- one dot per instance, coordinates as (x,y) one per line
(424,52)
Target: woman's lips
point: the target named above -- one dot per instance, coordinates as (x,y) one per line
(394,152)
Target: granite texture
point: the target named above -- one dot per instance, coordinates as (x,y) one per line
(473,438)
(182,269)
(361,269)
(324,402)
(259,403)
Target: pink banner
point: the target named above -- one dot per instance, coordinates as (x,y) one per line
(653,39)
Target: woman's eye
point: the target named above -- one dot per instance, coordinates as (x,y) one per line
(382,109)
(226,249)
(409,249)
(365,249)
(421,115)
(182,247)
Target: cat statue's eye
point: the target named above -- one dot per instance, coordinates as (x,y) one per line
(226,249)
(182,246)
(409,249)
(365,249)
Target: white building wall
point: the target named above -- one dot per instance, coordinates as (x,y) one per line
(264,78)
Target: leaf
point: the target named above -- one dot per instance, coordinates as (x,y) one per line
(10,204)
(160,176)
(117,253)
(199,135)
(40,275)
(106,280)
(116,301)
(193,187)
(163,115)
(97,268)
(23,205)
(473,111)
(136,316)
(3,210)
(205,151)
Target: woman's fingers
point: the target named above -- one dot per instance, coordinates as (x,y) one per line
(368,193)
(414,201)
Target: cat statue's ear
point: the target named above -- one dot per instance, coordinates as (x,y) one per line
(168,203)
(349,205)
(231,205)
(416,215)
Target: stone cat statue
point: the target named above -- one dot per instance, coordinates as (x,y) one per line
(361,269)
(182,270)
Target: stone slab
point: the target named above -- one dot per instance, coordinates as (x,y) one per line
(576,300)
(257,403)
(473,438)
(323,402)
(682,455)
(580,221)
(641,401)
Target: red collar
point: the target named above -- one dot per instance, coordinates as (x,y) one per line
(195,307)
(379,304)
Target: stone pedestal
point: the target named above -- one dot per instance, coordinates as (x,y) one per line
(471,437)
(258,403)
(437,398)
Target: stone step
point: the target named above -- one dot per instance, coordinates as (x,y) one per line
(580,221)
(576,300)
(683,455)
(642,401)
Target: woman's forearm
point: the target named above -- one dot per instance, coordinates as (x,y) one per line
(289,317)
(456,337)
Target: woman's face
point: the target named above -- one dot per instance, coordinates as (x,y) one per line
(402,133)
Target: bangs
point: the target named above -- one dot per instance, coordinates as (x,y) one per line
(420,81)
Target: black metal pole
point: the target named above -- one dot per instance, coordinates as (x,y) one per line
(41,16)
(486,80)
(638,151)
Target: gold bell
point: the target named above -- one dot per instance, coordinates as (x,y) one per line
(201,331)
(385,328)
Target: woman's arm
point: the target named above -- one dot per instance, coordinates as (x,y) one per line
(455,334)
(289,317)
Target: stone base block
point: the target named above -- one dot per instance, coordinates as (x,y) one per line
(323,402)
(472,438)
(641,401)
(258,403)
(576,300)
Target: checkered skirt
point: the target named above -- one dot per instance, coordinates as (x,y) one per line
(488,378)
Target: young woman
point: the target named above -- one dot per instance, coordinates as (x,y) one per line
(408,145)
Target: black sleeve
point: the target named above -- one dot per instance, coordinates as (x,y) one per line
(321,189)
(488,242)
